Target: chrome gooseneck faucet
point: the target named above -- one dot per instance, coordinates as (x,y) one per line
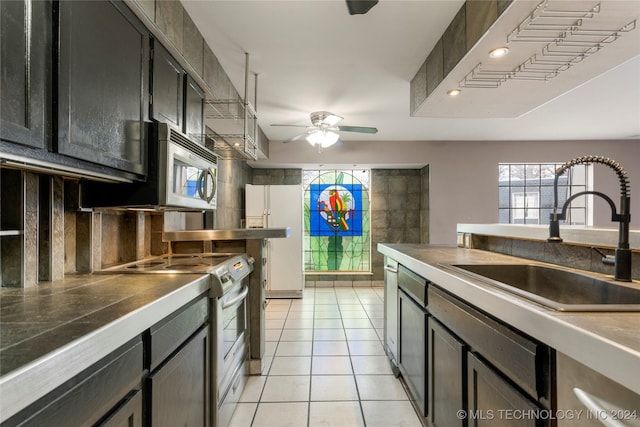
(622,264)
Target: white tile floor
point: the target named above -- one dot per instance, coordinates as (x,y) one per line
(325,365)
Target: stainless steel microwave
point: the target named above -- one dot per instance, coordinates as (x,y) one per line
(181,175)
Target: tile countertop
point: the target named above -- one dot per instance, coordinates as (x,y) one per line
(54,331)
(607,342)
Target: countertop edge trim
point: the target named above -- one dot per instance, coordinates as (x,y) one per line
(30,382)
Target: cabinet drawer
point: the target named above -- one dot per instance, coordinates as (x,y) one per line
(165,337)
(521,359)
(414,285)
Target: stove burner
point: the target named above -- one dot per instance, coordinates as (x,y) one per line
(177,263)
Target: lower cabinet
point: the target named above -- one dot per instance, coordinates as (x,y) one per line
(127,414)
(481,372)
(446,363)
(412,351)
(176,391)
(160,378)
(105,394)
(493,401)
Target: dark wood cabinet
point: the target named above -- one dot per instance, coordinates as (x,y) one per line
(494,373)
(447,374)
(412,351)
(167,80)
(25,77)
(193,111)
(177,392)
(177,355)
(102,84)
(493,401)
(127,414)
(94,397)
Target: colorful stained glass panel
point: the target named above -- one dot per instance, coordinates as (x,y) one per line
(338,210)
(337,221)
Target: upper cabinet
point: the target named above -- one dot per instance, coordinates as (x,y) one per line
(176,99)
(167,88)
(193,110)
(25,46)
(79,79)
(102,84)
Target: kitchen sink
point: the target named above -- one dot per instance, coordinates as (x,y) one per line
(555,288)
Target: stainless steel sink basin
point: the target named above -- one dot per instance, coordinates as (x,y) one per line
(555,288)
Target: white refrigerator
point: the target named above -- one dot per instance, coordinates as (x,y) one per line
(279,206)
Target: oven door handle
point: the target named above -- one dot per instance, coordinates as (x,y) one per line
(242,295)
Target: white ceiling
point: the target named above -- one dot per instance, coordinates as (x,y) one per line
(312,55)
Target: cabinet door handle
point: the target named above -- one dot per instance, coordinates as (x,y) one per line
(391,269)
(599,412)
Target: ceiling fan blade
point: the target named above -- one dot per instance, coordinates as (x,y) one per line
(361,129)
(293,126)
(296,138)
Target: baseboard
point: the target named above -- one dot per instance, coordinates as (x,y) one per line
(284,294)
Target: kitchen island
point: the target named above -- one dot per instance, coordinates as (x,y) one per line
(606,342)
(55,331)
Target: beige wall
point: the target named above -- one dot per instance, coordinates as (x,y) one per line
(464,174)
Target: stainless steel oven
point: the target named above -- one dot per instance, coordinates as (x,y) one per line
(231,339)
(181,174)
(229,325)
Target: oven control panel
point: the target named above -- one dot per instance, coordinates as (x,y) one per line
(232,271)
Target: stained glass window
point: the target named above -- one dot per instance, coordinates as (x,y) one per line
(336,221)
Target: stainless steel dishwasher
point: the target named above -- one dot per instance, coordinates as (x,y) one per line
(391,312)
(412,348)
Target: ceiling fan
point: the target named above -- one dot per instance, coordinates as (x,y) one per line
(324,129)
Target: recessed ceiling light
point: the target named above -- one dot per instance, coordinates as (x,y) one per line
(454,92)
(499,52)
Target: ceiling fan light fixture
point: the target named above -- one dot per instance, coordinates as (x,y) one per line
(323,138)
(499,52)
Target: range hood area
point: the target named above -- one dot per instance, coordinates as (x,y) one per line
(553,47)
